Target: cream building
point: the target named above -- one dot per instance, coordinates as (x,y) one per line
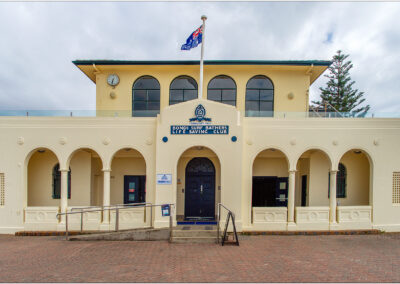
(250,143)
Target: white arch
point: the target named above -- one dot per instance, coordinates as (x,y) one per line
(70,156)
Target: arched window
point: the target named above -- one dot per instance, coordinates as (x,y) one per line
(182,89)
(222,89)
(146,97)
(341,182)
(57,182)
(259,96)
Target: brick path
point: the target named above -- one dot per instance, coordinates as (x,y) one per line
(360,258)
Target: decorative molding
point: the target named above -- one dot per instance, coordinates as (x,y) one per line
(149,141)
(62,141)
(20,140)
(106,141)
(293,141)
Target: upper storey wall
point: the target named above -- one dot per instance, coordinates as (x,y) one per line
(286,79)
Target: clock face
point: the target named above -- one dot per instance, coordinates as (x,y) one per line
(113,80)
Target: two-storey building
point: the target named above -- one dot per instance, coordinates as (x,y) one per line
(248,142)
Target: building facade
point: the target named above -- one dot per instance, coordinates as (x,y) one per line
(249,143)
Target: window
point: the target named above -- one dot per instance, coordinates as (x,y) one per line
(396,188)
(182,89)
(259,96)
(340,182)
(57,182)
(222,89)
(2,190)
(146,97)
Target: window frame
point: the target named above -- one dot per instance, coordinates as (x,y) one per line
(222,89)
(146,101)
(259,101)
(183,90)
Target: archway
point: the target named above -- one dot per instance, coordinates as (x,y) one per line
(198,184)
(86,178)
(270,179)
(312,179)
(40,184)
(353,183)
(128,177)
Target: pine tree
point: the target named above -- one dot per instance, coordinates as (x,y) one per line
(339,92)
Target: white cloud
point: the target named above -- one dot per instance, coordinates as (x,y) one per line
(39,41)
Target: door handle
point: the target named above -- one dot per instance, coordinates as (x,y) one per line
(201,189)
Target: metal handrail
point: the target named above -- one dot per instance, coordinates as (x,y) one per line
(230,215)
(116,207)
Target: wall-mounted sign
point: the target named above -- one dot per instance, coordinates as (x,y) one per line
(199,129)
(200,124)
(164,178)
(165,210)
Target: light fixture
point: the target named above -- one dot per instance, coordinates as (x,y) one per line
(41,151)
(357,152)
(127,149)
(199,148)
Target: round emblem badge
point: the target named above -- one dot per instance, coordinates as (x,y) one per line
(200,112)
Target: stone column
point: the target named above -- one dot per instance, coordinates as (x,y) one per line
(64,193)
(292,178)
(332,198)
(106,195)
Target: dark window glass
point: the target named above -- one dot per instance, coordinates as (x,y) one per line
(222,89)
(252,95)
(214,95)
(190,95)
(176,95)
(182,89)
(146,97)
(57,182)
(259,97)
(341,180)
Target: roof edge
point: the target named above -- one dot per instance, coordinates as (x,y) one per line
(206,62)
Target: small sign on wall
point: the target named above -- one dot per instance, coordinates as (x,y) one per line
(164,178)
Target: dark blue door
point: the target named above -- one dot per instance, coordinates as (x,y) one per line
(200,189)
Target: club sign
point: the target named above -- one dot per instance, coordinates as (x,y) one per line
(200,124)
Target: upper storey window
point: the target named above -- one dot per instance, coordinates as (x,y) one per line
(259,97)
(146,97)
(222,89)
(182,89)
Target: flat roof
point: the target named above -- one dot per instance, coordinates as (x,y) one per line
(206,62)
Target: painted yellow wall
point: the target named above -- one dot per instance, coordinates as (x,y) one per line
(286,79)
(181,170)
(270,167)
(318,179)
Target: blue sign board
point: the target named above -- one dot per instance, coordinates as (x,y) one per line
(165,210)
(200,129)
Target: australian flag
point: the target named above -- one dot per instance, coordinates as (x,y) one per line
(193,40)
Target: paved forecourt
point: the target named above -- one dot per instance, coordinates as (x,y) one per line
(342,258)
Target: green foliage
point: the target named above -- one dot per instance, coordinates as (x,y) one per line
(338,95)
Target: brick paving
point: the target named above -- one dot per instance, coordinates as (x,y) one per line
(337,258)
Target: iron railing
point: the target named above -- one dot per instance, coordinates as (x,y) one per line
(117,209)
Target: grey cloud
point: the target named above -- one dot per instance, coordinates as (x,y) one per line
(39,41)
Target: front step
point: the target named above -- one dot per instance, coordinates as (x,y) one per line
(194,234)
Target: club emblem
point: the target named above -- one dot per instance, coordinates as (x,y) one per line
(200,114)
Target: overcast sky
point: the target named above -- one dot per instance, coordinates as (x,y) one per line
(39,40)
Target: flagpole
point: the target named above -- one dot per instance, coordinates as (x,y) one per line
(204,18)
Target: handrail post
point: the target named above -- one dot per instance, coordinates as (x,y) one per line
(151,216)
(170,224)
(218,208)
(66,226)
(116,219)
(81,221)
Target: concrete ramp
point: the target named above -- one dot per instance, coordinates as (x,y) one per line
(127,235)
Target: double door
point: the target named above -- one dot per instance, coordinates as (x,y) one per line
(134,189)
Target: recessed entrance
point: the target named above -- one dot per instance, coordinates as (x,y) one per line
(200,189)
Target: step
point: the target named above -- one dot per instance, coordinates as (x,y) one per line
(194,233)
(195,227)
(126,235)
(194,240)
